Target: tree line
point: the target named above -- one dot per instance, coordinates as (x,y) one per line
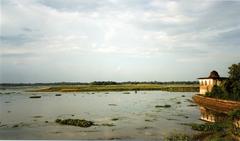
(98,83)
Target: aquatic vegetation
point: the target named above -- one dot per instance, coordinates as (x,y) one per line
(144,128)
(15,126)
(75,122)
(57,94)
(150,120)
(178,137)
(35,97)
(189,100)
(115,119)
(7,93)
(178,102)
(209,127)
(171,119)
(163,106)
(3,125)
(37,116)
(108,124)
(181,115)
(192,105)
(204,136)
(112,104)
(21,124)
(126,92)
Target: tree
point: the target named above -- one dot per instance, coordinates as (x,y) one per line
(234,72)
(234,81)
(217,92)
(232,85)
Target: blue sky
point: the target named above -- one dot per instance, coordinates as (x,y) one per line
(118,40)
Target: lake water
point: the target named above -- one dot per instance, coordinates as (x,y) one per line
(22,117)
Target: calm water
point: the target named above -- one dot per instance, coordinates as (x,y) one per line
(137,114)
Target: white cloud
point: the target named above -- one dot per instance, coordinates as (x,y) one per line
(83,30)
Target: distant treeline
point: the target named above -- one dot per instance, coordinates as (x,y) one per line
(98,83)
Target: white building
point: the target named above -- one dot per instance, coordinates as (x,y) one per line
(207,83)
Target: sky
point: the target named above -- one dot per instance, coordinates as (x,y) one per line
(117,40)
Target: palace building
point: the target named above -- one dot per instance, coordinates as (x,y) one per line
(207,83)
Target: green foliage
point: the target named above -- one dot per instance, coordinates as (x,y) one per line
(208,94)
(234,114)
(217,92)
(234,72)
(232,86)
(209,127)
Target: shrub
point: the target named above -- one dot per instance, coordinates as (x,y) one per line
(216,92)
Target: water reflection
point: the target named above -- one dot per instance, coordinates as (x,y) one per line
(217,110)
(212,115)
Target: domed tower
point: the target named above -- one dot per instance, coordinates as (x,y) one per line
(214,74)
(207,83)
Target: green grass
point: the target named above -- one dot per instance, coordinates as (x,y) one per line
(121,87)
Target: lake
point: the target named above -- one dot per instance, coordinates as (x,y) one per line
(131,116)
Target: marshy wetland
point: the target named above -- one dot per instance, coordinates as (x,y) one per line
(95,115)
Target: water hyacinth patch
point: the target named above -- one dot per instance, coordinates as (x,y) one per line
(75,122)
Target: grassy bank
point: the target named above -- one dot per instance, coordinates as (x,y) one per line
(121,87)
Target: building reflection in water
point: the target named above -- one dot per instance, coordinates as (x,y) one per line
(211,115)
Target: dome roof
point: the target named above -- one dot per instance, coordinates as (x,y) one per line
(214,74)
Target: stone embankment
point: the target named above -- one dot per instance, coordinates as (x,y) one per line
(214,104)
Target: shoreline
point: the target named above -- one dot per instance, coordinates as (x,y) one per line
(120,87)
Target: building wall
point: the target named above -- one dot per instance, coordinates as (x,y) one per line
(206,85)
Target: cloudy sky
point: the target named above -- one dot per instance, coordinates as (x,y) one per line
(118,40)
